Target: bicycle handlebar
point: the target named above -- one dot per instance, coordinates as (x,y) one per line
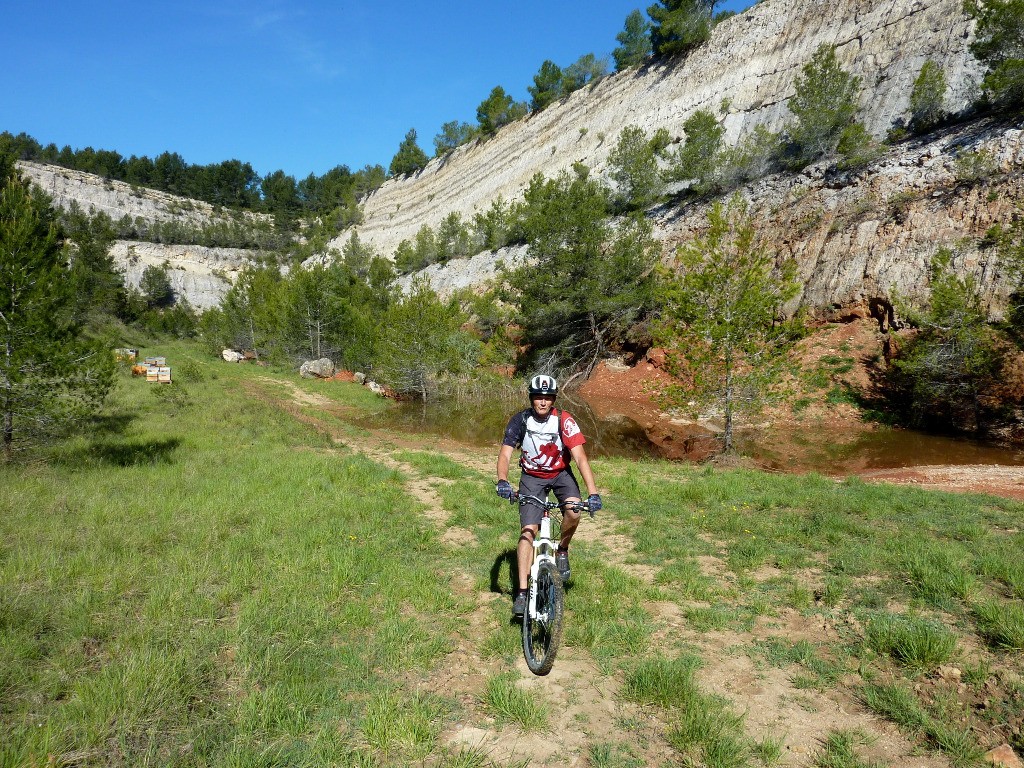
(581,506)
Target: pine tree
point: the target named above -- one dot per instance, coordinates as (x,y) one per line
(409,158)
(635,42)
(49,376)
(679,26)
(999,43)
(927,98)
(824,105)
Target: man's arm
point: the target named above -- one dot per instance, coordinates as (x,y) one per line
(579,455)
(504,459)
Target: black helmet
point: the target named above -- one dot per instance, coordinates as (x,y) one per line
(543,385)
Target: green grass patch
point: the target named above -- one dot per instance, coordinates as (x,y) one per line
(435,465)
(213,584)
(1001,623)
(817,671)
(921,644)
(839,750)
(509,703)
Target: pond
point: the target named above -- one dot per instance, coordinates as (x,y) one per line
(810,448)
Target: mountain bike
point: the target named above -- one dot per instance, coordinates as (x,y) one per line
(542,620)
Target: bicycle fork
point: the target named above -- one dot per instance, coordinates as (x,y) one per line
(542,553)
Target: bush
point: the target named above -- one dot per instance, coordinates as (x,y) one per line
(927,98)
(824,105)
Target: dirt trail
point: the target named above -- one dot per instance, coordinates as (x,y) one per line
(585,704)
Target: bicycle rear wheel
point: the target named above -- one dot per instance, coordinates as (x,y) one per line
(542,633)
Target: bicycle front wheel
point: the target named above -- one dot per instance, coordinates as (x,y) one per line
(542,633)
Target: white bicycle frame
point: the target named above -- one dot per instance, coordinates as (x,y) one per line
(543,551)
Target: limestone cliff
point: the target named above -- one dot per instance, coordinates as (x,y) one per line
(200,274)
(752,61)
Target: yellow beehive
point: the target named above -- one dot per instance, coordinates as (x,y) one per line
(152,373)
(164,374)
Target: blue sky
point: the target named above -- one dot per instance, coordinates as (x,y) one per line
(301,86)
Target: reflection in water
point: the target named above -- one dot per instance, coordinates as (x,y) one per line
(808,449)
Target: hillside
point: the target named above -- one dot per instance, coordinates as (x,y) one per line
(751,60)
(856,238)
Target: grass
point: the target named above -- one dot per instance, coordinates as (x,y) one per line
(511,704)
(915,642)
(817,671)
(211,584)
(209,578)
(702,726)
(839,750)
(1001,623)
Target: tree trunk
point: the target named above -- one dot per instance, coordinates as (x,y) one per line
(728,448)
(8,438)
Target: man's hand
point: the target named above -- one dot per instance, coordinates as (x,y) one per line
(504,489)
(594,502)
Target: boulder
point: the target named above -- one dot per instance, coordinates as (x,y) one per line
(231,356)
(376,388)
(317,369)
(1004,757)
(359,377)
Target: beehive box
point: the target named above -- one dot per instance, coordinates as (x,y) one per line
(163,374)
(152,373)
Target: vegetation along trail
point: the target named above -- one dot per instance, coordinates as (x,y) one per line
(238,574)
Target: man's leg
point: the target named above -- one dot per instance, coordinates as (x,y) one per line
(524,553)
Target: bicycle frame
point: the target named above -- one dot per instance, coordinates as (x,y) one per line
(544,545)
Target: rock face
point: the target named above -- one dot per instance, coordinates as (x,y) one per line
(860,240)
(199,274)
(752,60)
(117,199)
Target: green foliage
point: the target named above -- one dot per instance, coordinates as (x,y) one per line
(356,256)
(409,158)
(586,70)
(453,238)
(972,166)
(999,44)
(510,703)
(927,99)
(633,165)
(723,316)
(699,158)
(839,750)
(547,86)
(857,148)
(230,183)
(156,286)
(493,228)
(100,290)
(943,375)
(50,378)
(496,110)
(453,135)
(824,105)
(588,284)
(421,341)
(679,26)
(634,42)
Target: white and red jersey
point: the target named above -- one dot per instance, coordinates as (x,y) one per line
(545,442)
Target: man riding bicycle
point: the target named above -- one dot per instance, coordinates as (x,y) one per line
(549,438)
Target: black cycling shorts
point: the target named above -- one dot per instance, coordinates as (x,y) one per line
(563,485)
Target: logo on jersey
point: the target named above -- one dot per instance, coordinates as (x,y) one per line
(571,428)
